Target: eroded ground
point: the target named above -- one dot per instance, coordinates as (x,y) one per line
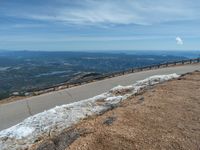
(164,117)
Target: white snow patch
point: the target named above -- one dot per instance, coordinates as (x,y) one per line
(59,118)
(19,132)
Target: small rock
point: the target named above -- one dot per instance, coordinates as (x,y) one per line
(109,120)
(141,98)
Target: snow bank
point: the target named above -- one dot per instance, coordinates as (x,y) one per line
(55,120)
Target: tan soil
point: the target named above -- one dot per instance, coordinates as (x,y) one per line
(165,117)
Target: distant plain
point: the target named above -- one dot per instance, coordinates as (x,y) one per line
(23,71)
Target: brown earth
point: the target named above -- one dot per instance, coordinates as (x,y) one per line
(164,117)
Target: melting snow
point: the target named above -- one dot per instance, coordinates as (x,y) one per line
(59,118)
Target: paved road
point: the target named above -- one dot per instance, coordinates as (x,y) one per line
(14,112)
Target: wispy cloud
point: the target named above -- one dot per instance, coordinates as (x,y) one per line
(99,24)
(179,40)
(79,38)
(141,12)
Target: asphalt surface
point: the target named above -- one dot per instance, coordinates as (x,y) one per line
(15,112)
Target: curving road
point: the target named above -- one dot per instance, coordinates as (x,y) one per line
(14,112)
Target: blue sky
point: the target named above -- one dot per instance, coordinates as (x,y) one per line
(100,25)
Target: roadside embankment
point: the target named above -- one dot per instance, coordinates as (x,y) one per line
(54,122)
(165,116)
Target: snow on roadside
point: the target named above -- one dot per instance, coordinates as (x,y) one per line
(55,120)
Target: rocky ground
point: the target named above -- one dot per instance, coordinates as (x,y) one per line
(166,116)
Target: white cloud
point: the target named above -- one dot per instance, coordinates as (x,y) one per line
(141,12)
(179,41)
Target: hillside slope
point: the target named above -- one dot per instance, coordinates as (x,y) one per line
(163,117)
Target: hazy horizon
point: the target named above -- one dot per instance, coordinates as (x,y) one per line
(136,50)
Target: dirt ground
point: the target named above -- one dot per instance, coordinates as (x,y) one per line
(164,117)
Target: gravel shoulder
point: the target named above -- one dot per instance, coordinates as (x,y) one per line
(166,116)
